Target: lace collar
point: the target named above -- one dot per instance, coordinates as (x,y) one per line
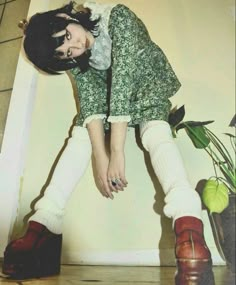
(101,49)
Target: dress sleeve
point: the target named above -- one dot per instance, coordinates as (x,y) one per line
(92,95)
(122,32)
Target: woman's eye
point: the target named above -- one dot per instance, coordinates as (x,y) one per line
(68,35)
(69,53)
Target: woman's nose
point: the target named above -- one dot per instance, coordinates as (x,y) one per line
(76,43)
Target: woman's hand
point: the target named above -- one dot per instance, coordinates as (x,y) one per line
(111,173)
(96,134)
(102,163)
(116,171)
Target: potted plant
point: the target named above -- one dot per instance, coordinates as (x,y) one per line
(218,193)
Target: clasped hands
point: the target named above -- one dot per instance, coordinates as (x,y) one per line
(111,173)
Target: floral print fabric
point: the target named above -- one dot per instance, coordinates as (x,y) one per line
(139,81)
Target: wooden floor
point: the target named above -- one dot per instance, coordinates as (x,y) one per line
(117,275)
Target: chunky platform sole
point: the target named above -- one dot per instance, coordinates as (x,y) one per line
(194,272)
(38,262)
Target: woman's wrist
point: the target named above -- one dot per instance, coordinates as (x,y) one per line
(96,134)
(99,153)
(118,136)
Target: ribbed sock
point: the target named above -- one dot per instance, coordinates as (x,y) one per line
(181,199)
(69,169)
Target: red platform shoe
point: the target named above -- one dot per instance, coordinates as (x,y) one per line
(35,255)
(194,264)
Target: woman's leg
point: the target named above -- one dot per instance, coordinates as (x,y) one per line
(181,199)
(69,169)
(183,204)
(38,252)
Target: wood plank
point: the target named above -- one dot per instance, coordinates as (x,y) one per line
(118,275)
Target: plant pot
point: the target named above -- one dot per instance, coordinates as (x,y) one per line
(223,226)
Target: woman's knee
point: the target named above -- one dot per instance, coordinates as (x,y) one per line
(155,132)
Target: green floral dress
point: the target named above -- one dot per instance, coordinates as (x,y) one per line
(137,85)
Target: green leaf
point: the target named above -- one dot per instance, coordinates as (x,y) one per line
(176,116)
(215,196)
(230,135)
(198,136)
(233,122)
(192,124)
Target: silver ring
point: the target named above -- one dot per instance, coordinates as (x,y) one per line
(112,181)
(115,181)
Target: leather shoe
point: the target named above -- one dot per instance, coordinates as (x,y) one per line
(193,258)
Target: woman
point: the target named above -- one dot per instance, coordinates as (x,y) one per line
(123,79)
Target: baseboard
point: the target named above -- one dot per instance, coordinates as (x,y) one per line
(152,257)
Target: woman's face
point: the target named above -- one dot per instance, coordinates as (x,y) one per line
(77,40)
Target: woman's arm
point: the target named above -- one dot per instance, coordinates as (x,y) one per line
(96,134)
(116,168)
(118,136)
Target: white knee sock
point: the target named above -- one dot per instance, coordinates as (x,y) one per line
(69,169)
(181,199)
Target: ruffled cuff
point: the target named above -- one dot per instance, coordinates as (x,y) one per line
(93,117)
(118,119)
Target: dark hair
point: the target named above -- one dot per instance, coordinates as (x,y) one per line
(40,45)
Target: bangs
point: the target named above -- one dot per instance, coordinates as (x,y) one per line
(57,42)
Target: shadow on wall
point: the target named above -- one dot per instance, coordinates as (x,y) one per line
(167,239)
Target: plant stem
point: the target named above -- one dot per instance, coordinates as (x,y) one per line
(228,172)
(221,148)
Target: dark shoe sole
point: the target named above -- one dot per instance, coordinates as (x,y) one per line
(41,262)
(194,272)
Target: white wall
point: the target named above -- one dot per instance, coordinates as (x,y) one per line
(15,141)
(198,38)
